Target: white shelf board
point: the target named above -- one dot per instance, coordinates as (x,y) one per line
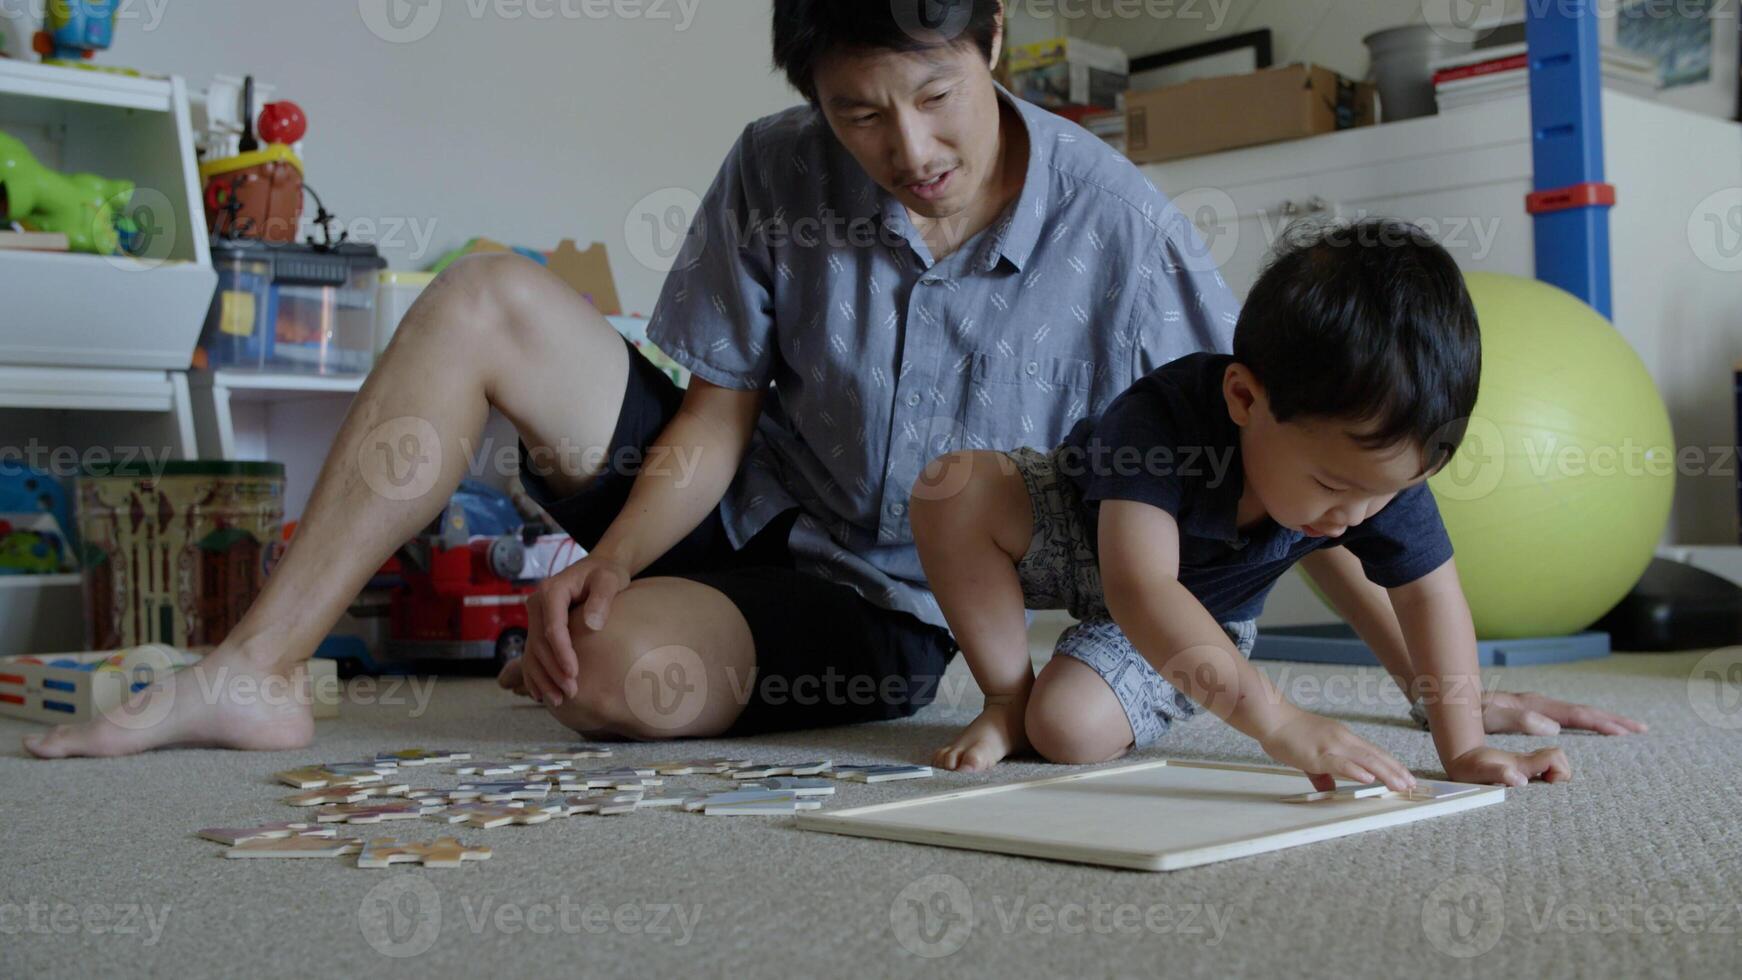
(63,580)
(259,386)
(98,389)
(54,83)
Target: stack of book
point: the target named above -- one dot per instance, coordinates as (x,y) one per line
(1489,74)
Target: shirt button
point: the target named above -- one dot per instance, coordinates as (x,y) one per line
(913,401)
(898,509)
(1033,368)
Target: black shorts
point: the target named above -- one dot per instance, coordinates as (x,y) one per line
(824,654)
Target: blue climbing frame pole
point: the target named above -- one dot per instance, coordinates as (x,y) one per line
(1572,199)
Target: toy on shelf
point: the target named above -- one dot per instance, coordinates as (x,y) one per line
(257,193)
(35,524)
(86,208)
(75,30)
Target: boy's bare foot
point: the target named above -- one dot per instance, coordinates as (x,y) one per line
(224,701)
(996,734)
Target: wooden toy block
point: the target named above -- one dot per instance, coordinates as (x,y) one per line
(500,792)
(319,777)
(563,753)
(422,757)
(884,774)
(376,812)
(491,768)
(488,816)
(271,831)
(794,785)
(445,852)
(295,847)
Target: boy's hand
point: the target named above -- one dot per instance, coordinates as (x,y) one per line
(1491,765)
(1533,714)
(1326,750)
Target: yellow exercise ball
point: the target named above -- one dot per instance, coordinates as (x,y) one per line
(1560,493)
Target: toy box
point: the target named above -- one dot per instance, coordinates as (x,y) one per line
(1069,71)
(73,687)
(1233,111)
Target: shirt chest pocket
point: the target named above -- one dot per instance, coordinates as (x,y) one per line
(998,368)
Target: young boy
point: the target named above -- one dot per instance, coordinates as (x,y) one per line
(1163,524)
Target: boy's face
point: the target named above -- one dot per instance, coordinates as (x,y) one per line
(923,124)
(1310,474)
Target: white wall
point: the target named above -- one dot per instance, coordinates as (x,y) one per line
(525,129)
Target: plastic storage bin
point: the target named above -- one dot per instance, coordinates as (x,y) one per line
(396,291)
(292,308)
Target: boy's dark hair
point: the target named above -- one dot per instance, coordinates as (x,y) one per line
(1370,324)
(806,30)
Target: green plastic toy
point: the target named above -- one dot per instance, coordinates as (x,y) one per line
(86,208)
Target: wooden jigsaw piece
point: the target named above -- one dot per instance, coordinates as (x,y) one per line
(445,852)
(320,777)
(796,786)
(421,757)
(501,792)
(563,753)
(295,847)
(347,794)
(882,774)
(488,816)
(376,812)
(271,831)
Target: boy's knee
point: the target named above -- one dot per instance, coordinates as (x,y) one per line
(1066,729)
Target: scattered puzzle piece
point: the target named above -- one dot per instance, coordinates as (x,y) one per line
(563,753)
(321,797)
(421,757)
(488,816)
(271,831)
(500,792)
(375,812)
(445,852)
(295,847)
(756,804)
(320,777)
(1363,792)
(800,787)
(606,805)
(882,774)
(491,768)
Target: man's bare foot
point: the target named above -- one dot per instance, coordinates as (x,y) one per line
(224,701)
(997,733)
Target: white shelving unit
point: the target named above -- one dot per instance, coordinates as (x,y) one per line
(77,310)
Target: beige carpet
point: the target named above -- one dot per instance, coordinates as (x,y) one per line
(1633,869)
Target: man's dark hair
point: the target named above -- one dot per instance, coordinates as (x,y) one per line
(807,30)
(1368,324)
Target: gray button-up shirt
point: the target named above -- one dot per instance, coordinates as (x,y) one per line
(800,275)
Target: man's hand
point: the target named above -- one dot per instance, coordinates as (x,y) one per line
(1326,750)
(1504,713)
(549,668)
(1491,765)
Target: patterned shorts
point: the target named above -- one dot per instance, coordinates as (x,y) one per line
(1060,572)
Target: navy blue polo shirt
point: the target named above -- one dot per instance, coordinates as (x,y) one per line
(1167,441)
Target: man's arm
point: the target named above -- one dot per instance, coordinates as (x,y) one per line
(1139,560)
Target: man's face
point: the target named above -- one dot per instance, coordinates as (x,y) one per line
(923,125)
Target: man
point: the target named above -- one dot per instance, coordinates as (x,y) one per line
(914,262)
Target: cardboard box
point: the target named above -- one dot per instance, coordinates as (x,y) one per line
(1215,114)
(1067,71)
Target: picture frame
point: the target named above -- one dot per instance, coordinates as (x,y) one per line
(1237,54)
